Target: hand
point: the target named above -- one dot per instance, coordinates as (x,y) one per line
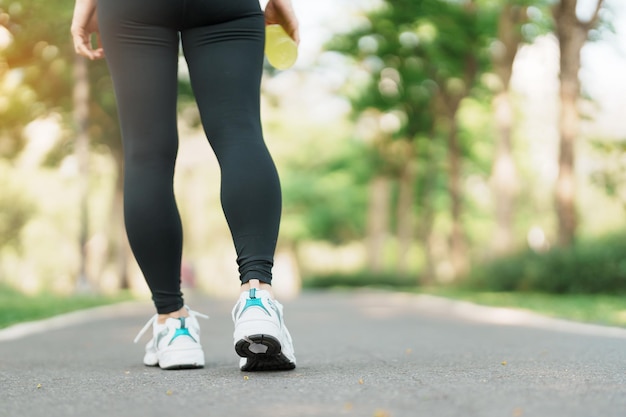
(281,12)
(84,25)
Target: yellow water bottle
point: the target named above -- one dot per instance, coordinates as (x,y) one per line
(280,49)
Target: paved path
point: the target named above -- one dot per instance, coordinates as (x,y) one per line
(366,354)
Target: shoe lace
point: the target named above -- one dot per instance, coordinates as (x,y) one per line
(150,322)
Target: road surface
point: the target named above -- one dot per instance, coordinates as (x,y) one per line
(360,354)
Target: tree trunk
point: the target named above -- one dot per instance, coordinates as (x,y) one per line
(452,99)
(458,249)
(377,222)
(405,224)
(504,173)
(456,241)
(504,176)
(427,214)
(81,151)
(572,35)
(119,250)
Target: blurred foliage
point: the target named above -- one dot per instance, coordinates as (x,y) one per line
(15,210)
(611,175)
(323,196)
(359,279)
(591,266)
(37,72)
(407,60)
(403,60)
(414,64)
(36,65)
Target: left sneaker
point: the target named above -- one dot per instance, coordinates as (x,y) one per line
(175,344)
(261,337)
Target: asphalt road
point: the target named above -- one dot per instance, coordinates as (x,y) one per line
(370,354)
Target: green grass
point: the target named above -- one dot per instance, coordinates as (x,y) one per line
(357,280)
(16,307)
(590,308)
(598,309)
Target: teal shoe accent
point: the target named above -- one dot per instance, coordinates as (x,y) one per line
(182,331)
(254,302)
(252,292)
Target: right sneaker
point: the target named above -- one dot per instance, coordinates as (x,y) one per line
(175,344)
(261,337)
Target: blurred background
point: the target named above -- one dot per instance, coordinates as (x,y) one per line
(420,143)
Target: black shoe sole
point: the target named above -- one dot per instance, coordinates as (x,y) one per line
(271,360)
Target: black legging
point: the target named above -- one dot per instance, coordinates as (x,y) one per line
(222,42)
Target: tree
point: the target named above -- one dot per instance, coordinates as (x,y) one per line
(460,58)
(519,22)
(504,175)
(572,33)
(420,66)
(81,120)
(392,107)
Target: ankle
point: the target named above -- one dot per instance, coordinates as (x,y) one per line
(255,283)
(173,315)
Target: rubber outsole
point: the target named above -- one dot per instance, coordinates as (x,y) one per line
(184,366)
(271,360)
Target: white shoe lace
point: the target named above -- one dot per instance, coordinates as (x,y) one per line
(153,319)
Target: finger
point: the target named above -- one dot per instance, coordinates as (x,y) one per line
(97,53)
(81,49)
(85,51)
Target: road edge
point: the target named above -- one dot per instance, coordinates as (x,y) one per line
(24,329)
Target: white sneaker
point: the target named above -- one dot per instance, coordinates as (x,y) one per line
(175,344)
(261,337)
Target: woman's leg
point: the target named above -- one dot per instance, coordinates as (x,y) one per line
(225,58)
(225,61)
(142,56)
